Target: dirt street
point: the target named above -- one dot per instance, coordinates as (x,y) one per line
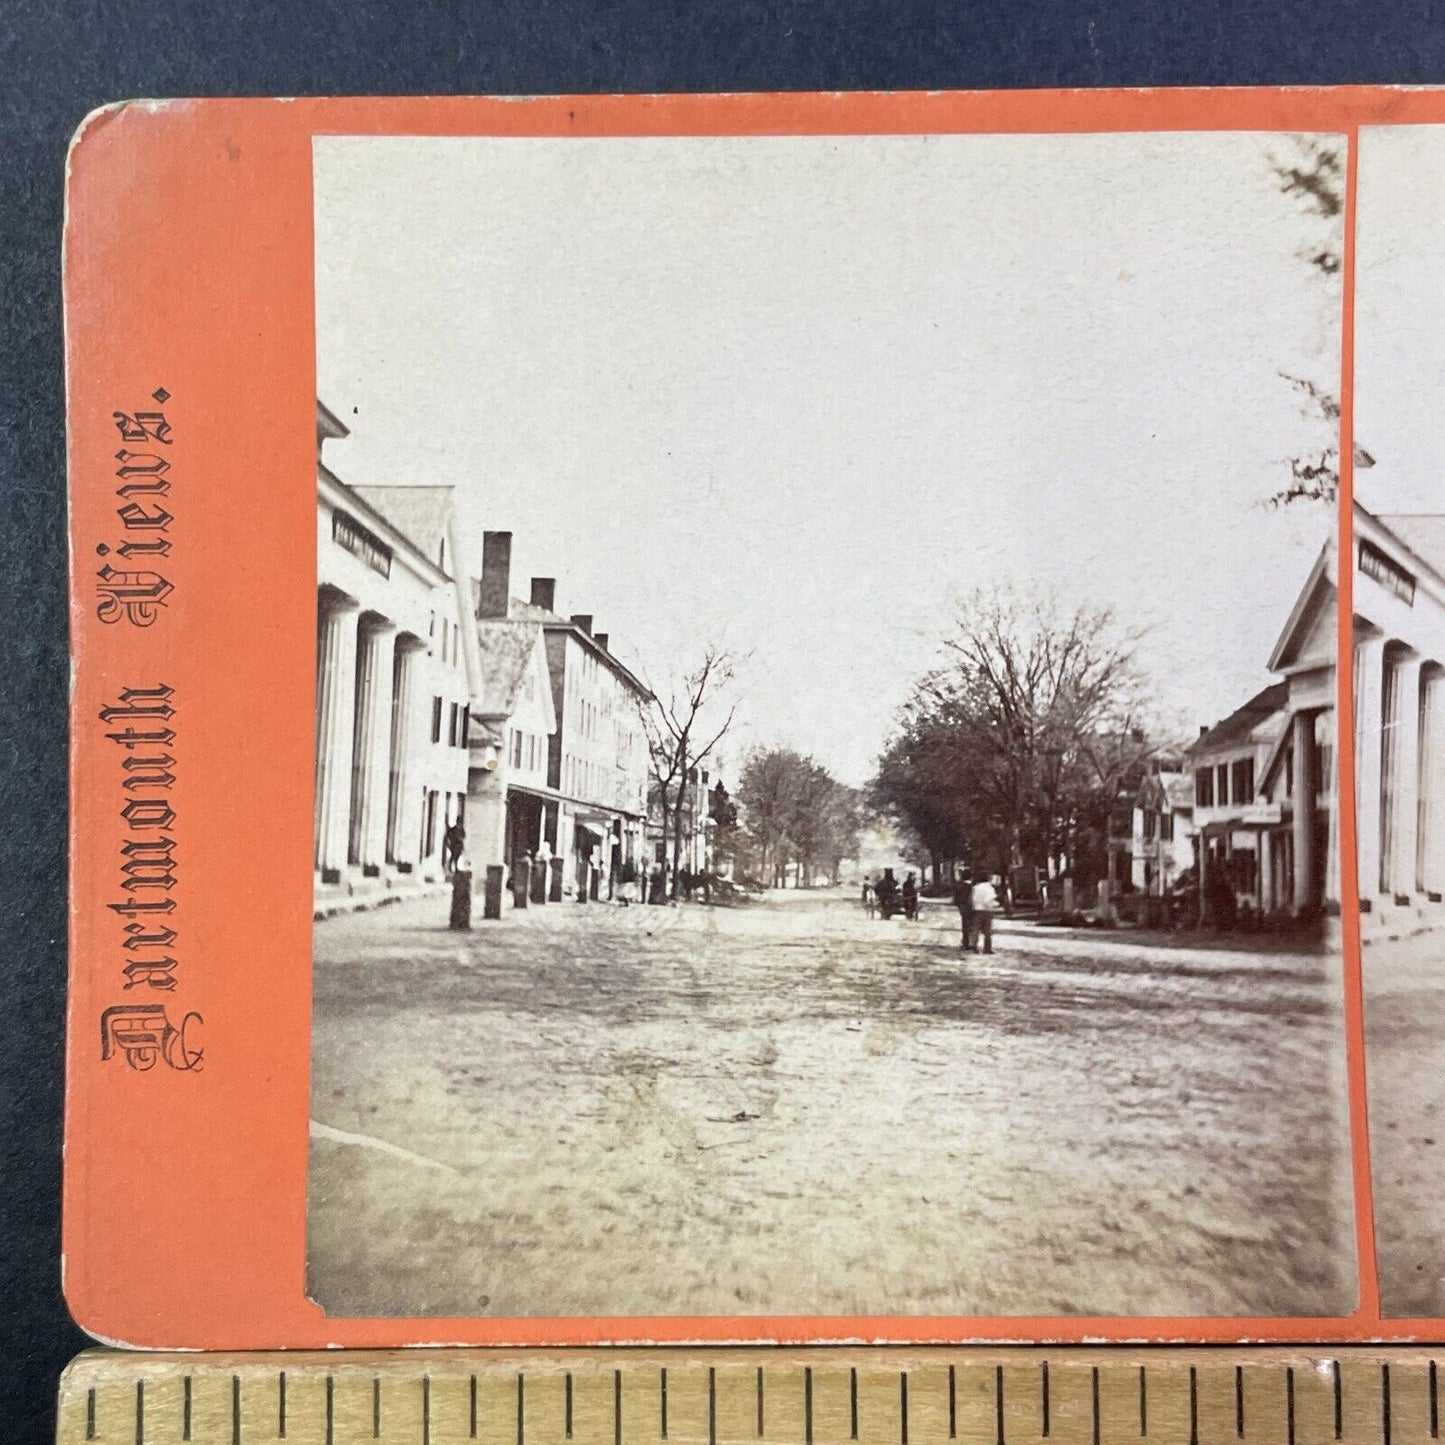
(1405,1059)
(787,1108)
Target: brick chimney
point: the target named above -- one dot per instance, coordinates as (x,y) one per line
(544,593)
(601,638)
(584,621)
(496,574)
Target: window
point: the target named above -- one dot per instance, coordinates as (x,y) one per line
(1221,784)
(1166,827)
(436,719)
(466,725)
(1150,818)
(1204,788)
(1243,781)
(516,748)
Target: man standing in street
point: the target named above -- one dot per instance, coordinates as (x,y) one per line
(963,901)
(985,905)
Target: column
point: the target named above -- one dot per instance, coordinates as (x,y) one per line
(371,763)
(335,701)
(1302,803)
(403,819)
(1266,871)
(1369,702)
(1431,842)
(1405,827)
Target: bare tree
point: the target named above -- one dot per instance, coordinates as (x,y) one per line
(684,723)
(1013,752)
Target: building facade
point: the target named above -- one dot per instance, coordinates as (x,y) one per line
(1233,833)
(1399,691)
(394,660)
(1162,840)
(586,805)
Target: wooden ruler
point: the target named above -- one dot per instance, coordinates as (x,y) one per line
(877,1396)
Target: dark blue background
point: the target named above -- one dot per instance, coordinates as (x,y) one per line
(60,60)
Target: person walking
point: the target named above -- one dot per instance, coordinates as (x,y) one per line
(869,903)
(963,901)
(887,891)
(910,897)
(985,905)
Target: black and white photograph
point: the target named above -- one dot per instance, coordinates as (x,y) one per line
(1399,691)
(826,776)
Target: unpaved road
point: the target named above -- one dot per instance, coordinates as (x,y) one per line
(1405,1061)
(786,1108)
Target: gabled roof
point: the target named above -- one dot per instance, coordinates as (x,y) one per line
(505,650)
(419,513)
(1235,729)
(1316,595)
(1176,789)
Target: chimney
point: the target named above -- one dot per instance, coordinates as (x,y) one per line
(1203,729)
(544,593)
(602,641)
(584,621)
(496,574)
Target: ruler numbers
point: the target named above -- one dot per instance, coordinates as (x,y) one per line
(917,1397)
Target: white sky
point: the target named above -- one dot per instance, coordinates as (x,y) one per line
(798,392)
(1400,318)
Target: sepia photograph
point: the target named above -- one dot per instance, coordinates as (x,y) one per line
(826,775)
(1399,691)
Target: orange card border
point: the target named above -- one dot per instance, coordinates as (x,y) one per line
(188,266)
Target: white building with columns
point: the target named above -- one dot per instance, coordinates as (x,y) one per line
(1399,690)
(395,664)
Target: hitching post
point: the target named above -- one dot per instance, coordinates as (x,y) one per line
(492,907)
(461,919)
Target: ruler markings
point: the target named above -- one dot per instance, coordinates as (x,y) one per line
(1014,1400)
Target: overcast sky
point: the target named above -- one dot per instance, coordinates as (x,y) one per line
(1400,318)
(798,393)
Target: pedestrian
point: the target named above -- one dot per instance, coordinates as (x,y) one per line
(453,841)
(963,901)
(910,897)
(869,903)
(985,905)
(887,891)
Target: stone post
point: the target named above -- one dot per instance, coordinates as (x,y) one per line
(492,904)
(461,916)
(554,887)
(521,881)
